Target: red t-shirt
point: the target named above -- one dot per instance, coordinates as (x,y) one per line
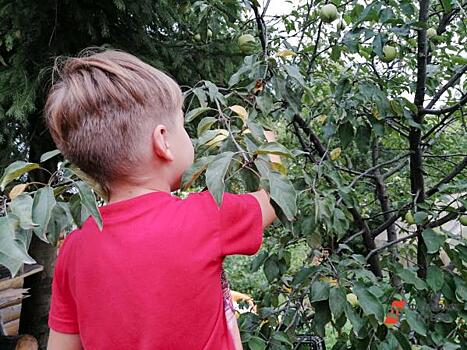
(151,280)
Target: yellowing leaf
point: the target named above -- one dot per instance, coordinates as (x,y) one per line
(286,53)
(17,190)
(322,119)
(279,167)
(223,132)
(240,111)
(335,153)
(216,140)
(330,280)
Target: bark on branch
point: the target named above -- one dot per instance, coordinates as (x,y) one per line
(446,86)
(359,221)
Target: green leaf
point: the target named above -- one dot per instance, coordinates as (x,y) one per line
(319,291)
(461,289)
(258,260)
(433,240)
(415,322)
(282,337)
(15,170)
(434,278)
(78,212)
(88,200)
(205,124)
(410,277)
(60,220)
(43,204)
(420,217)
(256,343)
(302,275)
(294,73)
(403,341)
(357,322)
(49,155)
(346,133)
(271,267)
(9,246)
(337,301)
(368,302)
(195,171)
(215,174)
(13,265)
(273,148)
(283,194)
(264,103)
(322,316)
(196,112)
(21,207)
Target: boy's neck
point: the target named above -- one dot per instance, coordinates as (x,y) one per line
(126,191)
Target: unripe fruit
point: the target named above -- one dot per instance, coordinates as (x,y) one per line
(328,13)
(409,218)
(246,42)
(209,34)
(463,220)
(431,32)
(389,53)
(197,37)
(412,42)
(352,299)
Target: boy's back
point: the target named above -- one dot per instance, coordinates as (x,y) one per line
(151,278)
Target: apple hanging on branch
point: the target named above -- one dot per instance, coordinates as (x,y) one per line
(246,42)
(389,53)
(328,13)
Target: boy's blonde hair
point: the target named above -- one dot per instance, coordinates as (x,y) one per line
(102,106)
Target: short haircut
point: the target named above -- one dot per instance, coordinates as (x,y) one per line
(102,107)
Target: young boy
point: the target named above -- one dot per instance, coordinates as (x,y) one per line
(132,286)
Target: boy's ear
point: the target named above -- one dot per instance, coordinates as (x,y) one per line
(160,143)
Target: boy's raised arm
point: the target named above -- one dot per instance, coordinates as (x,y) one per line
(267,210)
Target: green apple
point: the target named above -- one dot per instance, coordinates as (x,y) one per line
(389,53)
(463,219)
(209,34)
(246,42)
(328,13)
(352,299)
(409,218)
(197,37)
(431,32)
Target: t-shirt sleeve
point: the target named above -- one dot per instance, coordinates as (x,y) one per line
(62,314)
(238,222)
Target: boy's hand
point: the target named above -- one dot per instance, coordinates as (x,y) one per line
(270,135)
(267,210)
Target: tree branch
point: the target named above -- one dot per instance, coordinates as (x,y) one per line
(446,86)
(447,217)
(440,125)
(385,203)
(262,29)
(450,109)
(359,221)
(454,172)
(390,244)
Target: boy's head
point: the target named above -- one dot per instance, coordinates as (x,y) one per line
(119,119)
